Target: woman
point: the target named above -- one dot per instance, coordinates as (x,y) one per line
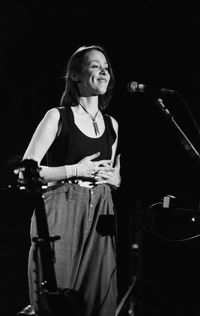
(80,144)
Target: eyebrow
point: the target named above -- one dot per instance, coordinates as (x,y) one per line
(95,60)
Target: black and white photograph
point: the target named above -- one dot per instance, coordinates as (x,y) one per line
(100,158)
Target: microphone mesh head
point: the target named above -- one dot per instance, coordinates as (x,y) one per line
(132,87)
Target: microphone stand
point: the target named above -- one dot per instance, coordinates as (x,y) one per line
(184,140)
(127,299)
(129,303)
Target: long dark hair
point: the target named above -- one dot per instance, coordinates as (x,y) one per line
(71,95)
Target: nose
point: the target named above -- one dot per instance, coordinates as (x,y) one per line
(102,71)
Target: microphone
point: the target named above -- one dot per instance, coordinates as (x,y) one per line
(135,87)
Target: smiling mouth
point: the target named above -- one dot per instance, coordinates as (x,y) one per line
(102,80)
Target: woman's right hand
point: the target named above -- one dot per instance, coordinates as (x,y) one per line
(88,168)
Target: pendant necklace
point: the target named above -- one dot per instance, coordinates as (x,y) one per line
(96,129)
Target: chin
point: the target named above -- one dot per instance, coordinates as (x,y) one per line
(101,91)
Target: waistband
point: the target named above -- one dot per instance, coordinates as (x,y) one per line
(64,186)
(82,183)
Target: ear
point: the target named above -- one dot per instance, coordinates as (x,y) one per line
(75,77)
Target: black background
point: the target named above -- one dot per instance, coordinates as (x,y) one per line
(151,42)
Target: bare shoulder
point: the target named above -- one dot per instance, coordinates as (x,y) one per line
(50,121)
(52,114)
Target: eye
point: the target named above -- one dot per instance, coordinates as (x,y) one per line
(94,66)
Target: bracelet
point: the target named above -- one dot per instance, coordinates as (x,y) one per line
(77,171)
(71,171)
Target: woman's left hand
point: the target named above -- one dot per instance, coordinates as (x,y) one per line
(113,177)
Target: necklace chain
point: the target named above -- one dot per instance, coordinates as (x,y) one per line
(92,117)
(96,129)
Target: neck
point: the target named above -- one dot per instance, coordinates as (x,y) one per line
(90,104)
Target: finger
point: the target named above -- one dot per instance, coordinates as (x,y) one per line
(103,176)
(104,162)
(93,156)
(100,182)
(104,169)
(93,174)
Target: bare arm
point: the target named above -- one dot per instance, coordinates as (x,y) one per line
(42,139)
(43,136)
(114,146)
(112,177)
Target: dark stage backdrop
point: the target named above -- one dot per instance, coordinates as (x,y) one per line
(151,42)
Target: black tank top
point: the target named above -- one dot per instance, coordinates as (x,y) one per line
(71,145)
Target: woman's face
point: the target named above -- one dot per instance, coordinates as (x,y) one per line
(95,77)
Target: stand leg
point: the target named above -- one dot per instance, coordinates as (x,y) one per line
(125,300)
